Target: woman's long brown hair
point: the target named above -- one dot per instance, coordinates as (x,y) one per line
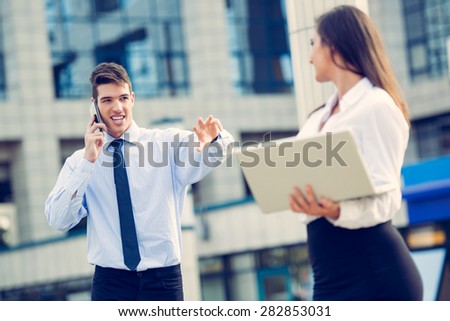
(355,37)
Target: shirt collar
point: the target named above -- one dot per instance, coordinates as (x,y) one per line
(350,97)
(131,135)
(355,93)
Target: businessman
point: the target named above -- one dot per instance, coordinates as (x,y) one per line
(130,183)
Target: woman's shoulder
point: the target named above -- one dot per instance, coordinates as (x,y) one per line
(378,100)
(380,106)
(379,96)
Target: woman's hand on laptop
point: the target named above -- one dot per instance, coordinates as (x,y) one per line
(307,203)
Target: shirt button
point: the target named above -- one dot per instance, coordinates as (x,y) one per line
(139,274)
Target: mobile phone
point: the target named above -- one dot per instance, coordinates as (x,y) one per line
(96,113)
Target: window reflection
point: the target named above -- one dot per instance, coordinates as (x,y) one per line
(260,57)
(432,136)
(145,36)
(2,65)
(281,273)
(427,25)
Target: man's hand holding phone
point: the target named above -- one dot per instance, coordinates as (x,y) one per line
(94,137)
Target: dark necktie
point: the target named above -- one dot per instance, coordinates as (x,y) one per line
(130,245)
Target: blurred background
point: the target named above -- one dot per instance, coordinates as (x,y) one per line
(247,63)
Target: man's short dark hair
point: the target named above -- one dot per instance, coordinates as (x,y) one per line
(108,73)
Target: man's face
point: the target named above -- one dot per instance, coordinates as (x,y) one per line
(115,103)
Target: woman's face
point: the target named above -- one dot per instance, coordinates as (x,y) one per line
(321,59)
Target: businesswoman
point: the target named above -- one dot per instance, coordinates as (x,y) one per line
(355,252)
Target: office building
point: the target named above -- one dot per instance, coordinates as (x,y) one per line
(244,61)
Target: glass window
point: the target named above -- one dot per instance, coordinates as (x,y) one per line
(212,277)
(70,289)
(427,26)
(6,192)
(213,288)
(242,262)
(243,286)
(430,263)
(211,265)
(145,36)
(274,257)
(242,277)
(106,5)
(259,43)
(301,272)
(2,65)
(282,273)
(432,136)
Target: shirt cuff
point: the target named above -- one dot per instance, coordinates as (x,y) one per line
(345,219)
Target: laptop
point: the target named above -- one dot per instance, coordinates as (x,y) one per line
(330,162)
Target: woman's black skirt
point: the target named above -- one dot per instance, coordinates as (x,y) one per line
(363,264)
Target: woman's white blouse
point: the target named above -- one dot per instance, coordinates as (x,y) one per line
(381,132)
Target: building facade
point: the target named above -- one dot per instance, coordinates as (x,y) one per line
(244,61)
